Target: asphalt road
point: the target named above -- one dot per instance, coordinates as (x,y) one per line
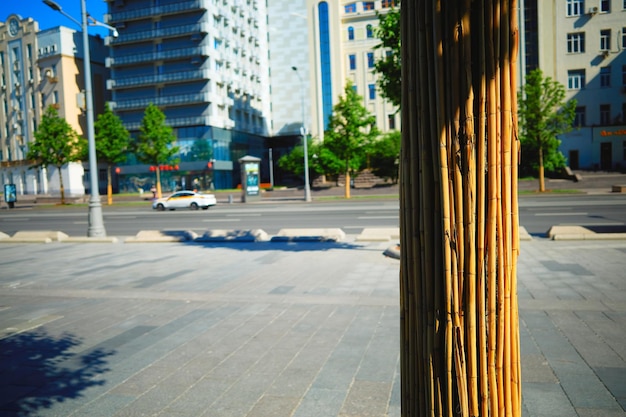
(351,216)
(605,212)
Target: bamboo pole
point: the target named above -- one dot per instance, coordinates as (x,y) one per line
(460,324)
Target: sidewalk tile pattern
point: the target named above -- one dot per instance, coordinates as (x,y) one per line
(278,329)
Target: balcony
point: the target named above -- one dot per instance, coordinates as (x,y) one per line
(170,32)
(176,54)
(176,77)
(167,101)
(170,9)
(176,122)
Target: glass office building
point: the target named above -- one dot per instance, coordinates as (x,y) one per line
(204,64)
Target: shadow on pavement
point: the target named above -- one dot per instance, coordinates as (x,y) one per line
(280,246)
(38,370)
(606,228)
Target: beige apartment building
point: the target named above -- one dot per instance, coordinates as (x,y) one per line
(582,45)
(40,69)
(342,48)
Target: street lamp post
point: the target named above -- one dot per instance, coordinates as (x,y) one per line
(307,187)
(96,223)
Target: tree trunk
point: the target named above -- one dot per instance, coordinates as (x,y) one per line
(347,184)
(458,209)
(158,182)
(61,187)
(542,181)
(109,185)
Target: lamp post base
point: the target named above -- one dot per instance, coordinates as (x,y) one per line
(96,224)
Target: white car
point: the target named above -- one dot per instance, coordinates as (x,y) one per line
(185,199)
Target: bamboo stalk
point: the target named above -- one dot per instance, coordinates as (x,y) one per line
(480,215)
(459,210)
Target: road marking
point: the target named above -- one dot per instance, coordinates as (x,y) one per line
(244,215)
(593,224)
(562,214)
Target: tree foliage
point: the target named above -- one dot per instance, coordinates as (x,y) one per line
(384,156)
(154,145)
(350,130)
(112,143)
(543,115)
(389,66)
(56,144)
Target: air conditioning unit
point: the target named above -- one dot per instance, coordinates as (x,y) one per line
(592,10)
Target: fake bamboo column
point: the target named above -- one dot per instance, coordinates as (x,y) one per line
(459,215)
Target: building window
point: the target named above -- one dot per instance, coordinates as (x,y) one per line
(368,5)
(391,121)
(385,4)
(605,114)
(352,61)
(605,40)
(576,79)
(624,150)
(605,6)
(370,31)
(575,7)
(350,33)
(370,60)
(579,117)
(623,75)
(350,8)
(354,88)
(605,77)
(576,43)
(371,88)
(624,37)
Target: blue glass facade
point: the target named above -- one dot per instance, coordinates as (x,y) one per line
(327,86)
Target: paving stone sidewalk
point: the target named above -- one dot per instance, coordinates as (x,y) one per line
(277,329)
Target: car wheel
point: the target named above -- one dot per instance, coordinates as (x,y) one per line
(160,207)
(193,206)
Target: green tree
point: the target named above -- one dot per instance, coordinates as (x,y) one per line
(154,144)
(389,66)
(384,156)
(56,144)
(294,161)
(350,129)
(112,143)
(543,115)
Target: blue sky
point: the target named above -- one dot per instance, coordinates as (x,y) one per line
(48,18)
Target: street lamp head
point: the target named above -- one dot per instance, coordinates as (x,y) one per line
(53,5)
(294,68)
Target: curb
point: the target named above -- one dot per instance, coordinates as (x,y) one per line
(580,233)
